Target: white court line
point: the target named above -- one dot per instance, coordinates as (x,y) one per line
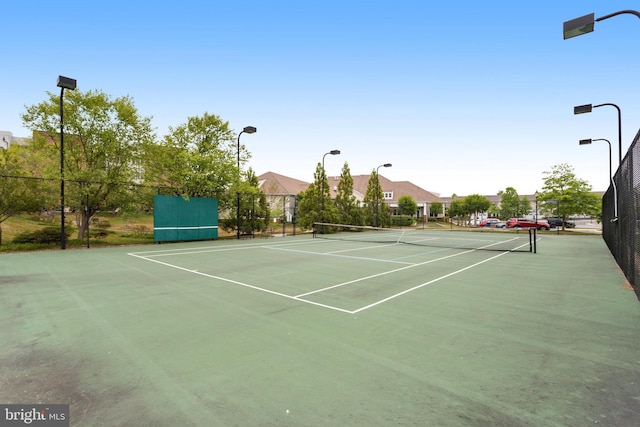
(425,284)
(235,282)
(333,254)
(381,274)
(205,249)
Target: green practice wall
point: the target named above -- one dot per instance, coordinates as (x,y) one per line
(176,219)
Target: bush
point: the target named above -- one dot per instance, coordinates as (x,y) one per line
(401,220)
(44,235)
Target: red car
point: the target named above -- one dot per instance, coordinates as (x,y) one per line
(541,224)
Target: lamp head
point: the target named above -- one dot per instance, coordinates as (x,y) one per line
(334,152)
(581,109)
(66,83)
(579,26)
(249,129)
(387,165)
(585,141)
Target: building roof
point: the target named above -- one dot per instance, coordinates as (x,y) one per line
(274,184)
(397,188)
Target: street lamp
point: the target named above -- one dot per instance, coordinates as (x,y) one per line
(247,129)
(333,153)
(63,83)
(582,109)
(613,183)
(585,24)
(5,141)
(386,165)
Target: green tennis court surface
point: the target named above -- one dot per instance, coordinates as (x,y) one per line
(309,332)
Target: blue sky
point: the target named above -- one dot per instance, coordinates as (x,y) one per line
(461,96)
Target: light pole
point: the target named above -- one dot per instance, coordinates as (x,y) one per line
(247,129)
(582,109)
(536,195)
(63,83)
(5,141)
(378,189)
(333,153)
(613,183)
(584,24)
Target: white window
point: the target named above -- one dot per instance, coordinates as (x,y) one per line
(388,195)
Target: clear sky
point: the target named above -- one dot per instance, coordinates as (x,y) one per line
(460,96)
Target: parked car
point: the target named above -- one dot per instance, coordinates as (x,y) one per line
(542,224)
(489,222)
(557,222)
(499,224)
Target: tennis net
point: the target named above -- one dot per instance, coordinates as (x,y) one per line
(522,240)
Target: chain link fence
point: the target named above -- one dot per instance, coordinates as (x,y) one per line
(620,219)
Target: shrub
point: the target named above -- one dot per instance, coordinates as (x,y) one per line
(44,235)
(401,220)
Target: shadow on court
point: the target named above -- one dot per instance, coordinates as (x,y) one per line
(305,332)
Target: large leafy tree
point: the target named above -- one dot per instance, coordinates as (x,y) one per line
(198,159)
(103,148)
(348,210)
(512,205)
(407,205)
(565,194)
(436,208)
(475,203)
(22,186)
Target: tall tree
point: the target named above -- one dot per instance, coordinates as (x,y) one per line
(564,194)
(375,211)
(315,202)
(198,159)
(104,141)
(348,211)
(475,203)
(512,205)
(435,209)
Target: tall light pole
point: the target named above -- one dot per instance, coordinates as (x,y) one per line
(5,141)
(582,109)
(613,183)
(63,83)
(324,175)
(378,189)
(247,129)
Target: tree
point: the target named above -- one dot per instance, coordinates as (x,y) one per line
(22,188)
(104,147)
(511,205)
(407,205)
(436,209)
(345,202)
(375,211)
(475,203)
(198,159)
(457,208)
(315,204)
(564,194)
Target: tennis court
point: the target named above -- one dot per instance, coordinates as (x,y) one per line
(308,331)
